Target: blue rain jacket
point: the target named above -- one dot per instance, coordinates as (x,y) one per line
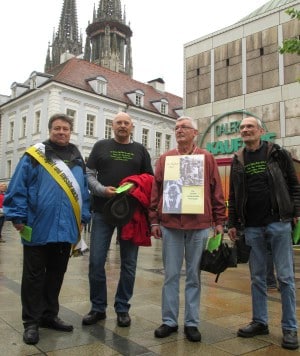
(34,198)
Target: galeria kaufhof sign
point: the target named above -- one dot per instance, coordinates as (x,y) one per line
(223,130)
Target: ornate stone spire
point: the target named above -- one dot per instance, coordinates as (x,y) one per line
(109,38)
(66,40)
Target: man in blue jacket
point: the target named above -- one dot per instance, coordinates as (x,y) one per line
(48,203)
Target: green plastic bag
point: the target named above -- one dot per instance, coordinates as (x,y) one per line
(296,233)
(214,242)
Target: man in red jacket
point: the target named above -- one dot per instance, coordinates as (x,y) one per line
(184,235)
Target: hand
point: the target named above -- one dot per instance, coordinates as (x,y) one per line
(19,227)
(232,233)
(219,229)
(156,232)
(110,191)
(81,227)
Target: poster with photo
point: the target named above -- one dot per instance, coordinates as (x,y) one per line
(183,189)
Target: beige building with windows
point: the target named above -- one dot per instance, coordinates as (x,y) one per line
(91,90)
(238,70)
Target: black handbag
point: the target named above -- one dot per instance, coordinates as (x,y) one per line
(218,260)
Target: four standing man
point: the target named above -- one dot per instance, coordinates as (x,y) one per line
(110,161)
(184,236)
(263,201)
(52,211)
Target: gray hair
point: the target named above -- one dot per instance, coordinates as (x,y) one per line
(258,121)
(191,120)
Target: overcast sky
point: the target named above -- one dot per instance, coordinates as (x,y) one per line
(160,30)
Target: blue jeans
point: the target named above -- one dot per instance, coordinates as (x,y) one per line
(101,236)
(178,244)
(278,235)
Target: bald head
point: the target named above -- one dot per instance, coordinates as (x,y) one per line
(122,127)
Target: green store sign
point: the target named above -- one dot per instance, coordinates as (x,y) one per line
(232,145)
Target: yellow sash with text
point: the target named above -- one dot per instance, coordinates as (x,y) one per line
(61,174)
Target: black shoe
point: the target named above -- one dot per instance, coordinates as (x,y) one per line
(290,340)
(92,317)
(253,329)
(123,319)
(165,330)
(56,323)
(192,333)
(31,335)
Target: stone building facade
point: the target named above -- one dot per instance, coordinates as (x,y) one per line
(238,71)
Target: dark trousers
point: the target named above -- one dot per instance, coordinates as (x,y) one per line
(2,218)
(43,273)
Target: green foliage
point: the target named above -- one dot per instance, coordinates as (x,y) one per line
(291,45)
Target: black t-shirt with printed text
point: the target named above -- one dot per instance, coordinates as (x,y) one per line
(114,161)
(259,210)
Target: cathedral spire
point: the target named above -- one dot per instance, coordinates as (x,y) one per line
(67,39)
(109,38)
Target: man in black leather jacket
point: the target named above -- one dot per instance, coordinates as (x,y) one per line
(264,199)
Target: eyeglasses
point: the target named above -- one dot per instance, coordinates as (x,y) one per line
(184,128)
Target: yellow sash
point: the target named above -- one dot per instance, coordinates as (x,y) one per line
(58,175)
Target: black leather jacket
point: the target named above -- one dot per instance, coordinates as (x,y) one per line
(283,180)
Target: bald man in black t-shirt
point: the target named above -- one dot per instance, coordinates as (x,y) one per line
(110,161)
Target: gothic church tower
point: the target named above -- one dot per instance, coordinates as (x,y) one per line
(108,38)
(66,40)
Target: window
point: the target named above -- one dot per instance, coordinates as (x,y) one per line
(168,143)
(23,126)
(261,51)
(101,86)
(90,125)
(108,128)
(145,138)
(158,136)
(138,100)
(163,108)
(37,121)
(33,83)
(11,131)
(72,114)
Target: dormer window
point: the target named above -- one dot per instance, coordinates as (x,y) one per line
(138,100)
(32,84)
(99,85)
(137,97)
(162,106)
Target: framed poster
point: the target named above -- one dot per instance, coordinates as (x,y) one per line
(183,187)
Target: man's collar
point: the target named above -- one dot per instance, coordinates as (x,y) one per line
(257,149)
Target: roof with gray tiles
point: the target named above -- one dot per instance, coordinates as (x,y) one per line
(270,5)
